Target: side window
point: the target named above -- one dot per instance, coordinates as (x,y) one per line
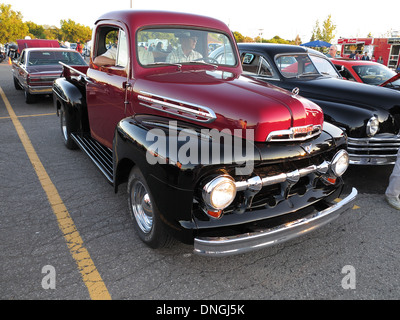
(256,65)
(345,73)
(111,47)
(22,59)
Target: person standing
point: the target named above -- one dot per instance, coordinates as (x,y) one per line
(332,52)
(393,189)
(365,56)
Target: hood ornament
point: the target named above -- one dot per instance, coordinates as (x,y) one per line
(295,92)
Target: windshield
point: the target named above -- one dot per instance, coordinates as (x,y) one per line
(375,74)
(182,46)
(53,57)
(303,65)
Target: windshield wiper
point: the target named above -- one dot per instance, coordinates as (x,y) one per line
(167,64)
(203,63)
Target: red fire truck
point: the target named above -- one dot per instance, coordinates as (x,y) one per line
(388,48)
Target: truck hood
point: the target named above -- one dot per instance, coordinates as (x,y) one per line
(231,102)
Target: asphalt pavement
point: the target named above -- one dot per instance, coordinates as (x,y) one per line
(356,257)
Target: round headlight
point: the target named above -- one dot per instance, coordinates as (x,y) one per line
(340,163)
(219,192)
(372,126)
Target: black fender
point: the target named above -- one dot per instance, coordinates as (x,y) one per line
(353,119)
(70,96)
(174,185)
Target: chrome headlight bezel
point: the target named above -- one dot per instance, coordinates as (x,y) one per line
(372,127)
(213,190)
(340,163)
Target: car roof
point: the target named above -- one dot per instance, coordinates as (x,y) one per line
(351,62)
(276,48)
(49,49)
(136,19)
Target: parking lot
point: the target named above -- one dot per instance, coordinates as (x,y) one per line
(65,234)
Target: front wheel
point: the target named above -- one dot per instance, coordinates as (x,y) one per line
(144,212)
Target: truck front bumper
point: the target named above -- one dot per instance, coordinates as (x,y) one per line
(224,246)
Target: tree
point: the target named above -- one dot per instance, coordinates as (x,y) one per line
(327,31)
(35,30)
(316,33)
(71,31)
(12,26)
(238,36)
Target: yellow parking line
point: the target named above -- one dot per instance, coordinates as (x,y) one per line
(90,275)
(355,207)
(31,115)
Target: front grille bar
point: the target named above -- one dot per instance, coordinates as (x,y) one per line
(256,182)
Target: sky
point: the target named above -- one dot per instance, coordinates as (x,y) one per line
(286,18)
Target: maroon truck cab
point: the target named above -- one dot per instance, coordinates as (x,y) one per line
(209,156)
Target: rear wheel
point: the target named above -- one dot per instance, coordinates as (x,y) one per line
(16,84)
(144,212)
(66,129)
(29,98)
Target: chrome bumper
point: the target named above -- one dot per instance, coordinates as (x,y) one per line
(40,89)
(224,246)
(378,150)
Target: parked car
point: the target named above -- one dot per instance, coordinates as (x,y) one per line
(157,127)
(36,69)
(370,115)
(368,72)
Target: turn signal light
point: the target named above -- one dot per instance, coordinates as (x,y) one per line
(215,214)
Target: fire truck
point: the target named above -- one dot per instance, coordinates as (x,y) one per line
(388,48)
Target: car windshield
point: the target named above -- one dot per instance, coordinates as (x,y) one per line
(54,57)
(375,74)
(183,46)
(304,65)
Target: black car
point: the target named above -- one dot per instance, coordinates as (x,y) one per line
(370,115)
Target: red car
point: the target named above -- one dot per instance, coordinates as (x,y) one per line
(367,72)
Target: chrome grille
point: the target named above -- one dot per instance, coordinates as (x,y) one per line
(374,151)
(295,134)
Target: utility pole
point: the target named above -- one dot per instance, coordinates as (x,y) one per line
(260,34)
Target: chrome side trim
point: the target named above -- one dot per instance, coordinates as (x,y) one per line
(176,107)
(224,246)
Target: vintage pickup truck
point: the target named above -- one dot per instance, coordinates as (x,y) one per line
(209,157)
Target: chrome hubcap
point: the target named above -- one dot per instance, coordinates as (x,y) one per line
(141,206)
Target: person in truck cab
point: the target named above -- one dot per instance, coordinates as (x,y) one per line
(107,58)
(185,52)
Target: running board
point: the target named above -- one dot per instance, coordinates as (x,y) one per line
(99,154)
